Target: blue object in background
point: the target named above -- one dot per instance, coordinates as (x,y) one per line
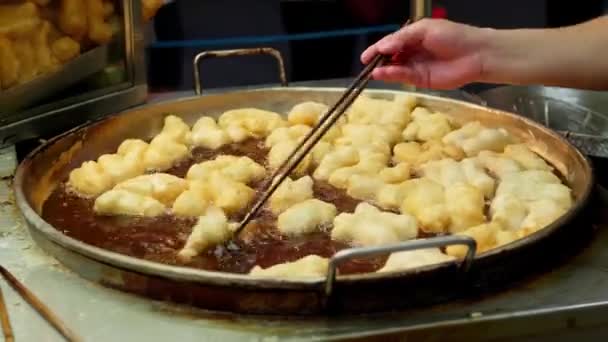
(270,39)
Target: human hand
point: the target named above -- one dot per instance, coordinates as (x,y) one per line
(431,53)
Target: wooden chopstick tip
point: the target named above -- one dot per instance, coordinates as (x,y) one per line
(5,323)
(39,306)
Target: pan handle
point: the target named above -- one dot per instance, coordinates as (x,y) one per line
(237,52)
(437,242)
(474,98)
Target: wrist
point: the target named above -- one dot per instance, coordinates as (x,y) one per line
(505,55)
(513,56)
(488,55)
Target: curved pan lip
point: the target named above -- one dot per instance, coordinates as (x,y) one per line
(181,273)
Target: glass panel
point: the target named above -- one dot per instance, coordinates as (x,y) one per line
(54,54)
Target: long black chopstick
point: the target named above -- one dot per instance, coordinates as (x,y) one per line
(313,137)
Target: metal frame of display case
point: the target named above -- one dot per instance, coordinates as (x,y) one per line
(60,115)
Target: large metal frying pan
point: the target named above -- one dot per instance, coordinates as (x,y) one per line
(49,165)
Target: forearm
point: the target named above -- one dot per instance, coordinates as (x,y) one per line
(574,56)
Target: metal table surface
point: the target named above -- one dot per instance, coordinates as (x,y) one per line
(569,302)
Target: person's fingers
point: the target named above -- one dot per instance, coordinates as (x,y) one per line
(369,54)
(455,73)
(407,37)
(372,50)
(430,75)
(396,73)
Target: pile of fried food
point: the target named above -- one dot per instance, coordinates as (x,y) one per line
(413,169)
(39,36)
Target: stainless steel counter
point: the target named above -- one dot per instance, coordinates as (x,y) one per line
(569,302)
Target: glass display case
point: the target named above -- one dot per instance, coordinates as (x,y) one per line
(66,62)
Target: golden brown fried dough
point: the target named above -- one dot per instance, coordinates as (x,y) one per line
(73,18)
(100,32)
(150,7)
(108,9)
(24,50)
(46,61)
(18,20)
(40,2)
(65,49)
(9,64)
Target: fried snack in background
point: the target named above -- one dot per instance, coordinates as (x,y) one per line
(150,7)
(108,9)
(39,36)
(72,18)
(17,20)
(41,2)
(65,49)
(25,52)
(42,45)
(100,31)
(43,50)
(9,64)
(50,12)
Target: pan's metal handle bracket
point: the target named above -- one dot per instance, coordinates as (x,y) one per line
(237,52)
(590,144)
(474,98)
(437,242)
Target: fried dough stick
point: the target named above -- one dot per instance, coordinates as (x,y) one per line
(17,20)
(100,32)
(73,18)
(9,64)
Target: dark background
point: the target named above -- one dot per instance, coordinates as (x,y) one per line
(186,20)
(191,20)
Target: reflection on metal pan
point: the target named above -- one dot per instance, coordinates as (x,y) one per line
(580,115)
(45,167)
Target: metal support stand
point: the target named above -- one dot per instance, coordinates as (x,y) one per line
(418,9)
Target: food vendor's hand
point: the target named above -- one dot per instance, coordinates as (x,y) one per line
(431,53)
(442,54)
